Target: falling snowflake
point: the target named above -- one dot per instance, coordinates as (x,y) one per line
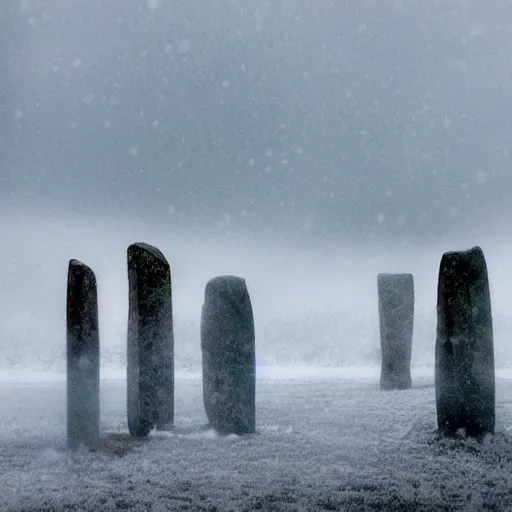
(89,98)
(153,5)
(184,46)
(481,176)
(401,220)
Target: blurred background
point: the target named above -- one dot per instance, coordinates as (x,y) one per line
(304,145)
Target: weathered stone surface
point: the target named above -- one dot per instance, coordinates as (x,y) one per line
(83,349)
(465,386)
(396,315)
(150,369)
(229,362)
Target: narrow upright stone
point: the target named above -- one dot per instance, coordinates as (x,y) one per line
(150,369)
(229,361)
(83,349)
(464,372)
(396,314)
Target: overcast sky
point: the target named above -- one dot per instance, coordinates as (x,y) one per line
(378,118)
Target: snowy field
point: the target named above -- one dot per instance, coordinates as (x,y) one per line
(325,441)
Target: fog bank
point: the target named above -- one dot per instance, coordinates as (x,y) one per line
(313,305)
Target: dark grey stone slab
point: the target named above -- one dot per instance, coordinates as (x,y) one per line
(150,351)
(464,373)
(228,349)
(83,365)
(396,315)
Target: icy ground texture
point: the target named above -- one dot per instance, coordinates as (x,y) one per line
(324,442)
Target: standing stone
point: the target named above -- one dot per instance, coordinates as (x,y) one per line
(83,350)
(229,360)
(150,369)
(465,389)
(396,314)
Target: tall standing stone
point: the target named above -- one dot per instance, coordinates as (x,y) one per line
(83,349)
(396,315)
(464,373)
(229,361)
(150,369)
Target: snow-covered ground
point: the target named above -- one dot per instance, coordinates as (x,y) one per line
(325,441)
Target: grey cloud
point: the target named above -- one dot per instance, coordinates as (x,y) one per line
(334,118)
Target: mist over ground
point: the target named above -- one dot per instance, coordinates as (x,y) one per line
(313,305)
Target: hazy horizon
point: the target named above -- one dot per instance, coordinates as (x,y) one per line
(313,305)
